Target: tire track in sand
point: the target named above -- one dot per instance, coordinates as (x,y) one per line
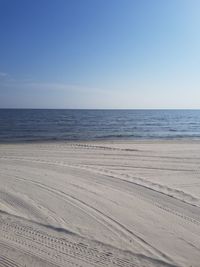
(101,217)
(113,225)
(121,176)
(6,262)
(71,249)
(163,189)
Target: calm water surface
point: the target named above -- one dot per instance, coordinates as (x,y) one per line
(30,125)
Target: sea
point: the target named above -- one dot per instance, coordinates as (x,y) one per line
(18,125)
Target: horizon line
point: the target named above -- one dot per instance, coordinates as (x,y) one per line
(101,108)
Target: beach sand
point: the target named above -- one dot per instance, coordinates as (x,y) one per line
(111,203)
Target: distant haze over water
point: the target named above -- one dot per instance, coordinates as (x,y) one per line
(32,124)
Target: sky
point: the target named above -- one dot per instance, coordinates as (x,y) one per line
(126,54)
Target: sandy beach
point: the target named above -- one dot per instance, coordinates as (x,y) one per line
(112,203)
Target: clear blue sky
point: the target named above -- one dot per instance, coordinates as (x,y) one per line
(100,53)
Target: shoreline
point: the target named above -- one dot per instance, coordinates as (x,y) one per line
(119,140)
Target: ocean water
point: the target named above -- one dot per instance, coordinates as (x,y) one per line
(31,125)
